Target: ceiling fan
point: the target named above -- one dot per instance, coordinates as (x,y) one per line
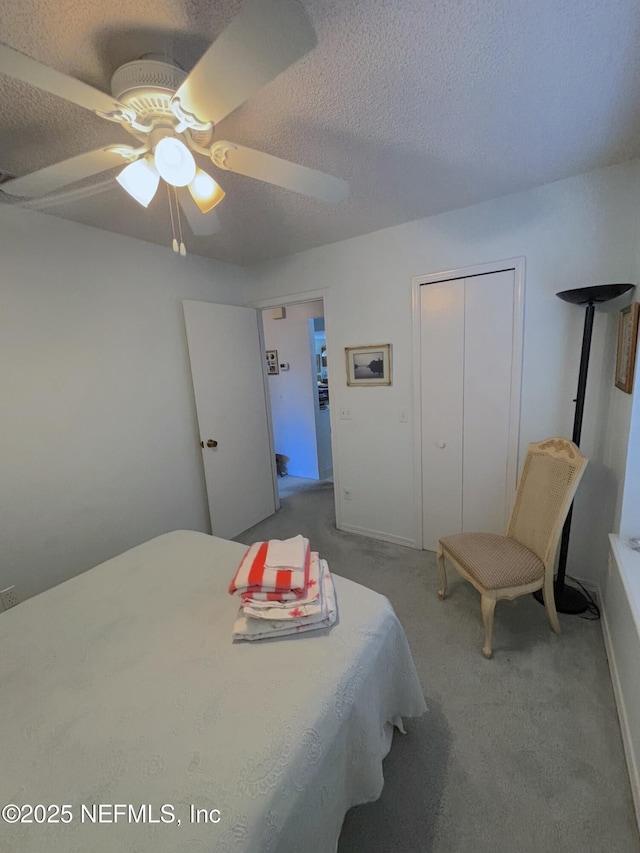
(172,115)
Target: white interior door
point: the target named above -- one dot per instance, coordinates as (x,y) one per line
(442,371)
(226,355)
(488,358)
(470,403)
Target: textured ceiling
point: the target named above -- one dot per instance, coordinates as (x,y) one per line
(422,106)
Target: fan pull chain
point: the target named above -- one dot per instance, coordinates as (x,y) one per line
(174,244)
(183,250)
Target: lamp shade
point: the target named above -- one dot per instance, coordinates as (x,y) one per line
(174,162)
(595,293)
(205,191)
(140,180)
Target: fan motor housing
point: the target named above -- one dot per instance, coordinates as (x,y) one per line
(147,85)
(144,76)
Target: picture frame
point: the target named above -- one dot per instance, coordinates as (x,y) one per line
(627,342)
(272,362)
(368,365)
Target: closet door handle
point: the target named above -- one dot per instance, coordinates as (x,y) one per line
(212,443)
(442,445)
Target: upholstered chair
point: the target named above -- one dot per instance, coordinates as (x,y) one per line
(523,560)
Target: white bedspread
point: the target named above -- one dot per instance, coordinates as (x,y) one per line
(122,686)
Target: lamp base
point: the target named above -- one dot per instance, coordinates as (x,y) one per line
(568,599)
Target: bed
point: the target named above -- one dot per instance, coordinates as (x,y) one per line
(123,699)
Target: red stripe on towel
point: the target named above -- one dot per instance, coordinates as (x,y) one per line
(257,569)
(283,582)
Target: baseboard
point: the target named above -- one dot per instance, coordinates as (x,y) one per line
(627,738)
(377,534)
(589,585)
(592,586)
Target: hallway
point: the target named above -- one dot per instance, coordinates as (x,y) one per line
(288,485)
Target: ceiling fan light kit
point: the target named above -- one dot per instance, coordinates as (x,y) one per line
(140,180)
(174,162)
(205,191)
(172,115)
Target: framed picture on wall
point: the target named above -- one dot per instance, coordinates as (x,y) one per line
(627,341)
(369,365)
(272,361)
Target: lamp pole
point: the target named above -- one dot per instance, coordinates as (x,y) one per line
(569,599)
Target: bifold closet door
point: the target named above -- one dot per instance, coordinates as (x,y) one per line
(467,353)
(442,374)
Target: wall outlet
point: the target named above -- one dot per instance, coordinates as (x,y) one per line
(345,414)
(8,597)
(347,494)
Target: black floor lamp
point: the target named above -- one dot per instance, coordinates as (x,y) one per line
(569,599)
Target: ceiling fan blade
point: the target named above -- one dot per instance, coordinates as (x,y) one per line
(52,178)
(201,224)
(67,196)
(22,67)
(266,37)
(282,173)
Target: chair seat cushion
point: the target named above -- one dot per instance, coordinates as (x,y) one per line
(495,561)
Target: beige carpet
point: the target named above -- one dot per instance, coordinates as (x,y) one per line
(520,754)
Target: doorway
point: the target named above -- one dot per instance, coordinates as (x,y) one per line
(298,387)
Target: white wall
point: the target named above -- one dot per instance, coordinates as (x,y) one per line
(617,437)
(620,588)
(572,233)
(622,434)
(629,508)
(294,392)
(99,439)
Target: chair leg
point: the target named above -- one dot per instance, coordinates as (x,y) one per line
(488,606)
(550,602)
(442,592)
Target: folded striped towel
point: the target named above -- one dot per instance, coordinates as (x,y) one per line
(255,579)
(310,605)
(248,628)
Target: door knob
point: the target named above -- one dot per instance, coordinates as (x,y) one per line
(212,443)
(441,445)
